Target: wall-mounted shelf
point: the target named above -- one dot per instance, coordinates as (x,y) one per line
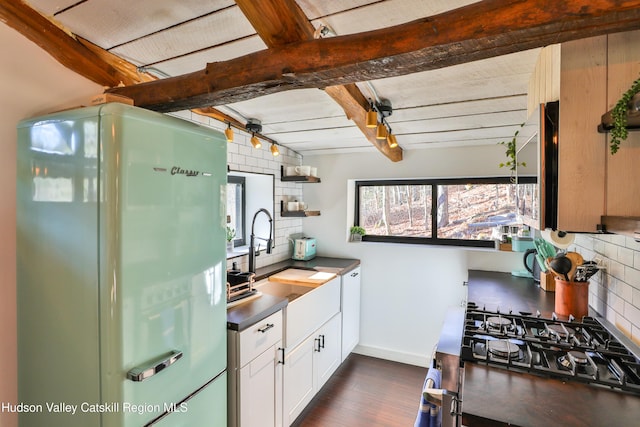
(297,178)
(299,214)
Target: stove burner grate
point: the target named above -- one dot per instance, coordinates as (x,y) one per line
(503,349)
(560,331)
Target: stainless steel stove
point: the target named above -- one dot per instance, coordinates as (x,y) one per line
(574,350)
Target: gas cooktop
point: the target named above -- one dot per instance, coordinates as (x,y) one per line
(574,350)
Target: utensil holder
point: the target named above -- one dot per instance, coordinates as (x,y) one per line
(572,298)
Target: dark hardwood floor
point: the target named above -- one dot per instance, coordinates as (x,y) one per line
(366,391)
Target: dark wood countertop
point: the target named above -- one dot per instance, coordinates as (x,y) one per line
(504,292)
(246,314)
(493,396)
(498,397)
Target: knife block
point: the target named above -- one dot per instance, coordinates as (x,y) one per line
(572,298)
(547,281)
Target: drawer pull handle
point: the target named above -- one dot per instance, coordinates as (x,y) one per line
(266,328)
(354,274)
(321,341)
(281,362)
(317,341)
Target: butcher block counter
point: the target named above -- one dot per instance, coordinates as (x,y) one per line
(494,396)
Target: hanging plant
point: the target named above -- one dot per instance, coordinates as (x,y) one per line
(511,162)
(619,131)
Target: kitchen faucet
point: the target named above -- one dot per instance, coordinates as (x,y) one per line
(252,250)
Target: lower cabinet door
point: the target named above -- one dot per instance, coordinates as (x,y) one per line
(328,358)
(260,382)
(298,382)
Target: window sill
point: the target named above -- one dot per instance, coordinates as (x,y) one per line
(238,252)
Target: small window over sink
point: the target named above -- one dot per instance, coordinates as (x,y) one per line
(460,212)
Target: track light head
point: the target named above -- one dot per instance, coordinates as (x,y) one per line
(372,118)
(255,141)
(392,141)
(274,150)
(381,131)
(228,133)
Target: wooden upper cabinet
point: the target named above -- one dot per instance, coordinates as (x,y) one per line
(581,149)
(623,168)
(593,75)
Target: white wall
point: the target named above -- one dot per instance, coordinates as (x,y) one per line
(406,289)
(31,83)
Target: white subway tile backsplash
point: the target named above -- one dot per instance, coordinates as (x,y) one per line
(632,277)
(617,288)
(632,313)
(625,256)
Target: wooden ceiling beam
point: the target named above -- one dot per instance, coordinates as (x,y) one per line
(80,55)
(478,31)
(281,22)
(70,51)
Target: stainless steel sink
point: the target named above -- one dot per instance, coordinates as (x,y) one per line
(283,290)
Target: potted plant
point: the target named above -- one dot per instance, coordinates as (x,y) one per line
(619,131)
(511,162)
(356,233)
(231,234)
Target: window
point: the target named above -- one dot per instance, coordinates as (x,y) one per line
(236,207)
(444,211)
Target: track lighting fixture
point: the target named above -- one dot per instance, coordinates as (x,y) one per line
(274,150)
(228,132)
(255,141)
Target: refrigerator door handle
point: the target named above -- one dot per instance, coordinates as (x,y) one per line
(141,373)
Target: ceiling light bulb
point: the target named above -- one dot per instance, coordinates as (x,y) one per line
(381,131)
(372,118)
(392,141)
(228,132)
(255,141)
(274,150)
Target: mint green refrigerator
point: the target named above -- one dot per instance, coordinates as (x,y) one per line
(121,270)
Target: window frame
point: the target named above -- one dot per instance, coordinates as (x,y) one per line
(241,181)
(434,183)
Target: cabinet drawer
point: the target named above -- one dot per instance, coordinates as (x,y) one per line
(257,338)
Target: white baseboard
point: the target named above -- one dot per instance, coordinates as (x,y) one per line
(395,356)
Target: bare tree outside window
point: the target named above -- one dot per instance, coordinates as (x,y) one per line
(464,211)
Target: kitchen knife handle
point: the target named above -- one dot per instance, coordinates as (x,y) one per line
(141,373)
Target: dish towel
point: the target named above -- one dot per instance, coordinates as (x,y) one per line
(429,414)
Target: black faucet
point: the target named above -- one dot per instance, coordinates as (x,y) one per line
(252,249)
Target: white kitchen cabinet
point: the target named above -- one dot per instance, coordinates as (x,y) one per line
(255,374)
(327,354)
(350,308)
(308,366)
(298,375)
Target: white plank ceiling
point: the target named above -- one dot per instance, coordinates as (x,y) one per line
(478,103)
